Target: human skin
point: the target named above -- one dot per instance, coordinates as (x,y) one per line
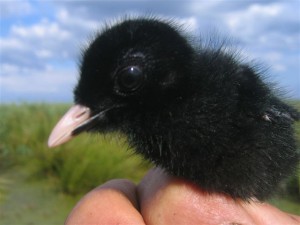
(162,199)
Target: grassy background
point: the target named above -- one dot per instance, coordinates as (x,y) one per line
(37,183)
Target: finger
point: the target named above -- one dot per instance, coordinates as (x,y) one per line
(167,200)
(114,202)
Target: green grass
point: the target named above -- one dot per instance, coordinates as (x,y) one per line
(31,174)
(37,182)
(80,165)
(32,201)
(286,204)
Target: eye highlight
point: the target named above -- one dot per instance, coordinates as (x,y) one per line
(129,79)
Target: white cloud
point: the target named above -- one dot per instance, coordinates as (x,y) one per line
(43,53)
(276,60)
(44,29)
(190,23)
(11,43)
(9,69)
(246,21)
(67,19)
(260,18)
(40,56)
(31,45)
(202,6)
(38,60)
(15,8)
(24,81)
(265,10)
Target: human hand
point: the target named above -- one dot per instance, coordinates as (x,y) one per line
(162,199)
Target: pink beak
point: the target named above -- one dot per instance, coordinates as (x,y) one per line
(76,117)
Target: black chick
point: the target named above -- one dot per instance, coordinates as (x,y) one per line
(199,113)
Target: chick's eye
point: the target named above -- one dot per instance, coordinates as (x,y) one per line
(129,79)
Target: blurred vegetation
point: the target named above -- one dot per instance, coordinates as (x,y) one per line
(79,165)
(85,162)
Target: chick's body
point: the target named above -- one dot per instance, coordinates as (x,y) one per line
(199,113)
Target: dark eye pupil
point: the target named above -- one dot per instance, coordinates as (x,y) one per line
(130,78)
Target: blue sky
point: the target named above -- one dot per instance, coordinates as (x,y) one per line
(41,41)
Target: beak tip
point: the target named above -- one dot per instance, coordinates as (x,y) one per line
(52,142)
(63,131)
(55,141)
